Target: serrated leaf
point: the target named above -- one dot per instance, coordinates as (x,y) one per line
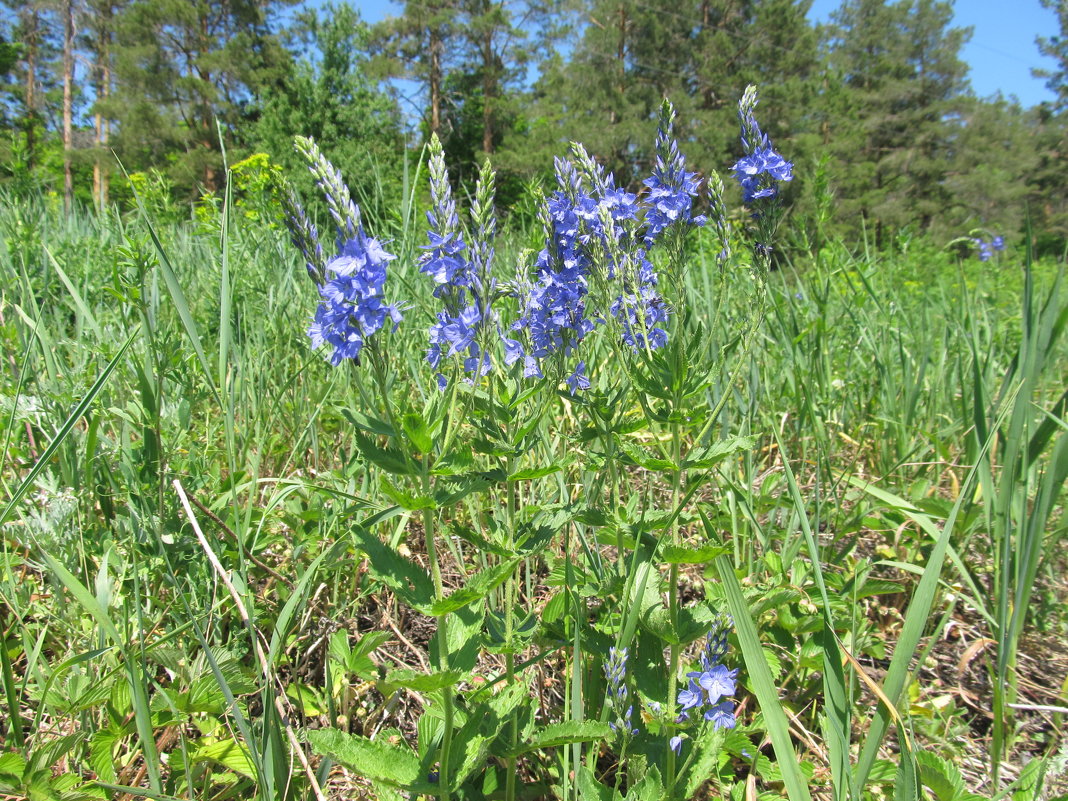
(409,581)
(691,555)
(372,759)
(535,472)
(477,588)
(472,742)
(718,451)
(368,423)
(405,499)
(468,534)
(12,764)
(229,754)
(415,429)
(650,788)
(391,460)
(370,641)
(557,734)
(454,463)
(592,790)
(423,682)
(938,775)
(643,459)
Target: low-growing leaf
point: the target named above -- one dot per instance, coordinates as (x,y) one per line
(535,472)
(691,555)
(422,682)
(415,428)
(409,581)
(643,459)
(389,459)
(404,499)
(718,451)
(476,589)
(373,759)
(556,734)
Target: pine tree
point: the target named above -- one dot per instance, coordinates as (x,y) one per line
(331,99)
(630,54)
(180,65)
(419,46)
(1049,181)
(903,83)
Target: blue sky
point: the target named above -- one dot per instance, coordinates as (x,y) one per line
(1001,52)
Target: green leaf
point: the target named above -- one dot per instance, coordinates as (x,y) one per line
(228,753)
(556,734)
(422,682)
(391,460)
(372,759)
(471,744)
(370,424)
(760,679)
(476,589)
(718,451)
(687,555)
(938,775)
(643,459)
(535,472)
(12,764)
(592,790)
(410,582)
(404,499)
(415,428)
(650,788)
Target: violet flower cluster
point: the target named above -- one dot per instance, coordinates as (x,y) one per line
(762,168)
(615,670)
(457,282)
(353,308)
(351,284)
(710,686)
(671,188)
(597,232)
(986,249)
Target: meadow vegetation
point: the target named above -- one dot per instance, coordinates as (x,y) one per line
(822,478)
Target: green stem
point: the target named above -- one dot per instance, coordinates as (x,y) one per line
(442,635)
(673,602)
(509,623)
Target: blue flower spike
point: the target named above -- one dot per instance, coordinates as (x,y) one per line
(714,682)
(615,670)
(761,170)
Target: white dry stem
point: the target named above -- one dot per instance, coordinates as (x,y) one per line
(268,675)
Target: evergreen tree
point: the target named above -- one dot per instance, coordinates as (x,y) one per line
(180,65)
(329,97)
(903,86)
(419,46)
(630,54)
(991,154)
(1049,181)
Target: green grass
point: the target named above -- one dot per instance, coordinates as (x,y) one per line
(909,417)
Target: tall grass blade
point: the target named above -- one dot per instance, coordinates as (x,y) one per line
(767,694)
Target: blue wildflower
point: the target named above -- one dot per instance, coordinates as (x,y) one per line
(615,670)
(721,715)
(762,167)
(671,189)
(714,682)
(459,283)
(578,380)
(676,744)
(353,308)
(998,243)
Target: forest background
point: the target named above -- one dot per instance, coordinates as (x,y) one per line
(874,107)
